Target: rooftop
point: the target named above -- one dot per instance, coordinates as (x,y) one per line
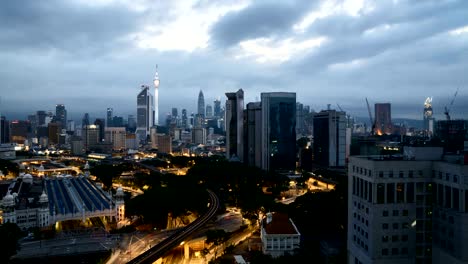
(280,224)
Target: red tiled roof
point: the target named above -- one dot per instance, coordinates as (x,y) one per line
(279,224)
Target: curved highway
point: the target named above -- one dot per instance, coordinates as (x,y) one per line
(160,249)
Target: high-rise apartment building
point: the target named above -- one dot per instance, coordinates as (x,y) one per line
(409,209)
(61,115)
(383,119)
(278,131)
(145,111)
(117,136)
(201,104)
(330,138)
(235,125)
(253,135)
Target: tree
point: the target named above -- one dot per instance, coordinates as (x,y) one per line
(217,237)
(10,233)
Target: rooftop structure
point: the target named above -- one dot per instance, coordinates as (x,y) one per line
(279,235)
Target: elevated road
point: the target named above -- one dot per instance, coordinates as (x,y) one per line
(174,240)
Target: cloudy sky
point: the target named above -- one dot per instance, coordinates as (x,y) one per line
(94,54)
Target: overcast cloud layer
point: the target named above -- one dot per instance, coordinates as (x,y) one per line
(91,54)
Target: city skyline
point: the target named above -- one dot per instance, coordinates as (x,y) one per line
(327,52)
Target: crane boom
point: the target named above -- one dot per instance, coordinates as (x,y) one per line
(447,108)
(370,117)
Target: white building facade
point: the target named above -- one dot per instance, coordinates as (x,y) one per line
(410,209)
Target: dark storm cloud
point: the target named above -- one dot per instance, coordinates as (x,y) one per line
(387,13)
(348,42)
(262,19)
(62,25)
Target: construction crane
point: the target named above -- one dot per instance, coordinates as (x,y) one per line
(370,117)
(447,109)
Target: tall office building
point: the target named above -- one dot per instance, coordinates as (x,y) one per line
(4,130)
(41,118)
(174,112)
(145,110)
(131,122)
(410,209)
(299,119)
(61,115)
(184,118)
(201,104)
(54,129)
(199,136)
(156,83)
(209,111)
(330,138)
(217,108)
(90,136)
(383,119)
(253,135)
(85,120)
(19,130)
(235,125)
(278,131)
(102,125)
(110,113)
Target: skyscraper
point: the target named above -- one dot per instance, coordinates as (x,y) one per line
(278,131)
(101,124)
(61,115)
(184,118)
(145,110)
(156,83)
(90,136)
(217,108)
(253,137)
(85,121)
(209,111)
(110,113)
(201,104)
(330,138)
(174,112)
(383,118)
(41,118)
(235,124)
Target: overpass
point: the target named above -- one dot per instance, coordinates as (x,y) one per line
(179,236)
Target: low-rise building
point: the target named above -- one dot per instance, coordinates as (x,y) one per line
(279,235)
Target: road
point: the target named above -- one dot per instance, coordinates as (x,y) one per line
(160,249)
